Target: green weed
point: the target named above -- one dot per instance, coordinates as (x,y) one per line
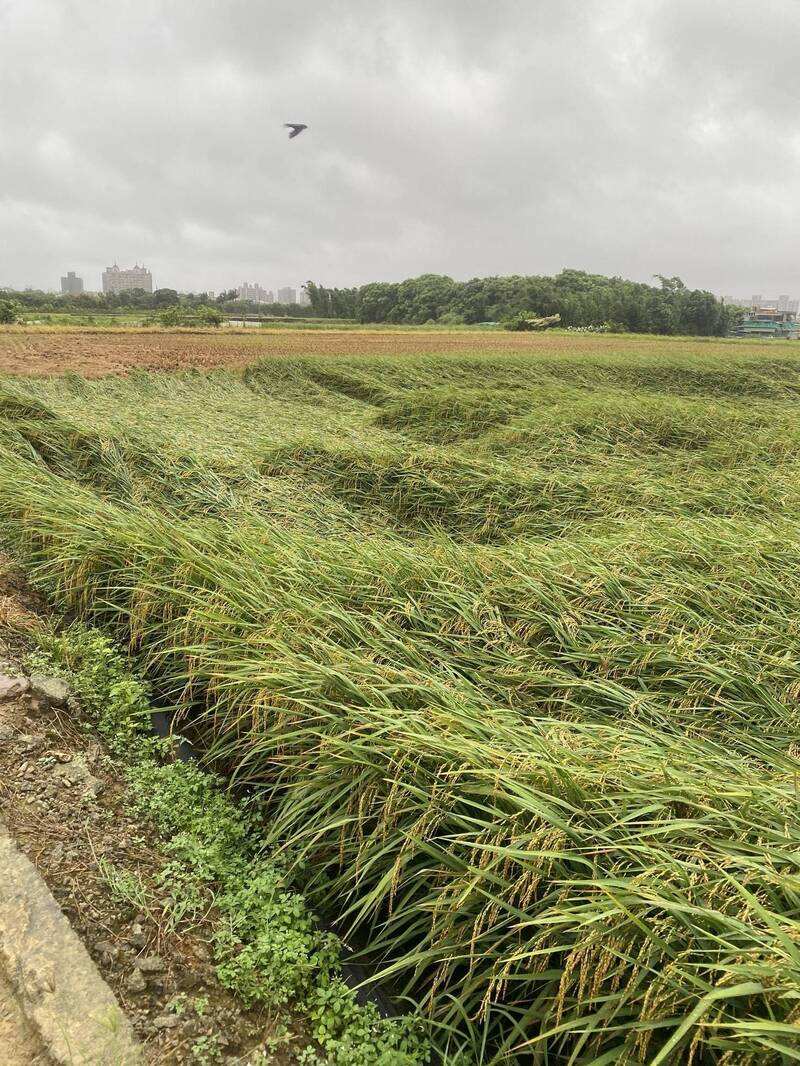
(116,701)
(206,1050)
(125,887)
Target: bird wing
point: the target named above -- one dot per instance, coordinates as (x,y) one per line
(296,128)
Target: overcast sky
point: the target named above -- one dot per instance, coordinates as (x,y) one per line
(464,137)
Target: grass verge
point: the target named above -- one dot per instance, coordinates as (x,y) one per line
(268,947)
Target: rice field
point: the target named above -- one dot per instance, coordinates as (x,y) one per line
(508,641)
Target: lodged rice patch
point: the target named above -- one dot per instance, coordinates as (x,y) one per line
(509,648)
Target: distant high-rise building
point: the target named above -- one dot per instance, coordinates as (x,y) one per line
(287,296)
(303,298)
(783,305)
(116,280)
(255,293)
(70,284)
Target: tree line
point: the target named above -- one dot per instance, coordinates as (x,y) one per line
(580,299)
(32,301)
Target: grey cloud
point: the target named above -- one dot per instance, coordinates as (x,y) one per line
(461,137)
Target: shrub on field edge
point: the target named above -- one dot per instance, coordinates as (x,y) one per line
(528,321)
(9,312)
(177,315)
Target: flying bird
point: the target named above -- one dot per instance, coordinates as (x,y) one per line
(296,128)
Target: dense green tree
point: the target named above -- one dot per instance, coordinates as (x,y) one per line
(581,299)
(378,302)
(165,298)
(670,284)
(9,311)
(331,303)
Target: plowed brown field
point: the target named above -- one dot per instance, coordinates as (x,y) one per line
(93,352)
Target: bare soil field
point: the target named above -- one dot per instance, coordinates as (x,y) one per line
(95,352)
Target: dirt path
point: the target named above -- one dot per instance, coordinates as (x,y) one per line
(18,1043)
(95,352)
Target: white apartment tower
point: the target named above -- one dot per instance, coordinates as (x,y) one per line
(116,280)
(255,293)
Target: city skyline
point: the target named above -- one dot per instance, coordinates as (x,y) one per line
(259,294)
(256,293)
(73,284)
